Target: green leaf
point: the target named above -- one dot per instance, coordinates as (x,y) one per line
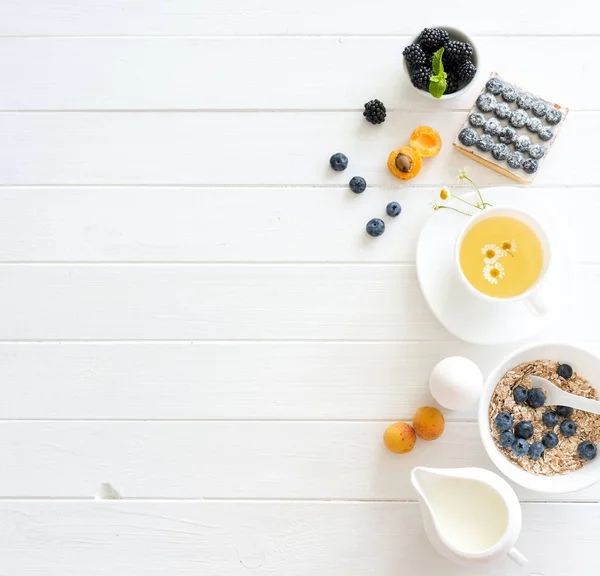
(437,86)
(437,64)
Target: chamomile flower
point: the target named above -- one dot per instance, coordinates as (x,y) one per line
(462,174)
(493,272)
(509,246)
(444,194)
(491,253)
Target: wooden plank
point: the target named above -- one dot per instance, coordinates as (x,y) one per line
(261,73)
(229,459)
(244,149)
(239,302)
(234,17)
(107,224)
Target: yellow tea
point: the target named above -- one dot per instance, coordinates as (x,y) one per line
(501,257)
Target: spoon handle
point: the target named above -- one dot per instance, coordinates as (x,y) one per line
(585,404)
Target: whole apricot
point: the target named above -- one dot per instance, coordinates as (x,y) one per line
(428,422)
(399,438)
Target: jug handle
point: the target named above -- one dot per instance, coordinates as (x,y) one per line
(516,556)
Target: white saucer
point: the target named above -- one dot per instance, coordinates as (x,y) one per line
(462,314)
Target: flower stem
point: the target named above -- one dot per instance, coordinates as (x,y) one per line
(463,200)
(455,210)
(478,191)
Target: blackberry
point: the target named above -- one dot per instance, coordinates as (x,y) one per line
(539,108)
(374,112)
(518,118)
(536,151)
(432,39)
(492,127)
(507,135)
(494,85)
(525,100)
(415,56)
(468,137)
(500,151)
(522,143)
(420,78)
(509,94)
(502,110)
(476,119)
(534,124)
(466,71)
(456,52)
(485,143)
(515,159)
(530,165)
(546,133)
(553,116)
(452,84)
(486,102)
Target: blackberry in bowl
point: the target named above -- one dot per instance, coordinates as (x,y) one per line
(460,60)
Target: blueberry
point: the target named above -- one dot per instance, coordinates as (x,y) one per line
(486,102)
(564,371)
(485,143)
(539,108)
(564,411)
(339,162)
(550,440)
(546,133)
(587,451)
(522,143)
(375,227)
(492,126)
(536,151)
(468,137)
(358,185)
(500,151)
(507,135)
(534,124)
(515,159)
(536,398)
(530,166)
(502,110)
(494,85)
(553,116)
(536,450)
(520,447)
(524,430)
(568,428)
(518,118)
(393,209)
(525,100)
(520,394)
(506,439)
(509,94)
(476,119)
(503,421)
(550,419)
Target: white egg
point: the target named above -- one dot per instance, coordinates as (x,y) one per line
(456,383)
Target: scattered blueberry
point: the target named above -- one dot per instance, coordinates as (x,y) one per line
(546,133)
(515,159)
(375,227)
(509,94)
(550,440)
(339,162)
(358,185)
(568,428)
(485,143)
(518,118)
(564,371)
(553,116)
(522,143)
(536,151)
(486,102)
(587,451)
(520,394)
(524,430)
(525,100)
(468,137)
(539,108)
(564,411)
(536,398)
(536,450)
(507,135)
(476,119)
(504,421)
(529,166)
(500,151)
(506,439)
(550,419)
(534,124)
(492,127)
(502,110)
(393,209)
(520,447)
(494,85)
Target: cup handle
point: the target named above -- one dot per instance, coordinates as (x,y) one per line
(517,557)
(537,304)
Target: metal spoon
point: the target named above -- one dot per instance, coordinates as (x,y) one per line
(558,397)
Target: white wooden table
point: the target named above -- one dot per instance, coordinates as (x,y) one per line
(191,311)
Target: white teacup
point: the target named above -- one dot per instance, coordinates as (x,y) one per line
(532,297)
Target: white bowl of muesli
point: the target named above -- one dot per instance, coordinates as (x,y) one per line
(549,449)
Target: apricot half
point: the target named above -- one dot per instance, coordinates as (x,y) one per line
(404,163)
(426,141)
(399,438)
(428,422)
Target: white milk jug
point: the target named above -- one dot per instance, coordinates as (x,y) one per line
(471,515)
